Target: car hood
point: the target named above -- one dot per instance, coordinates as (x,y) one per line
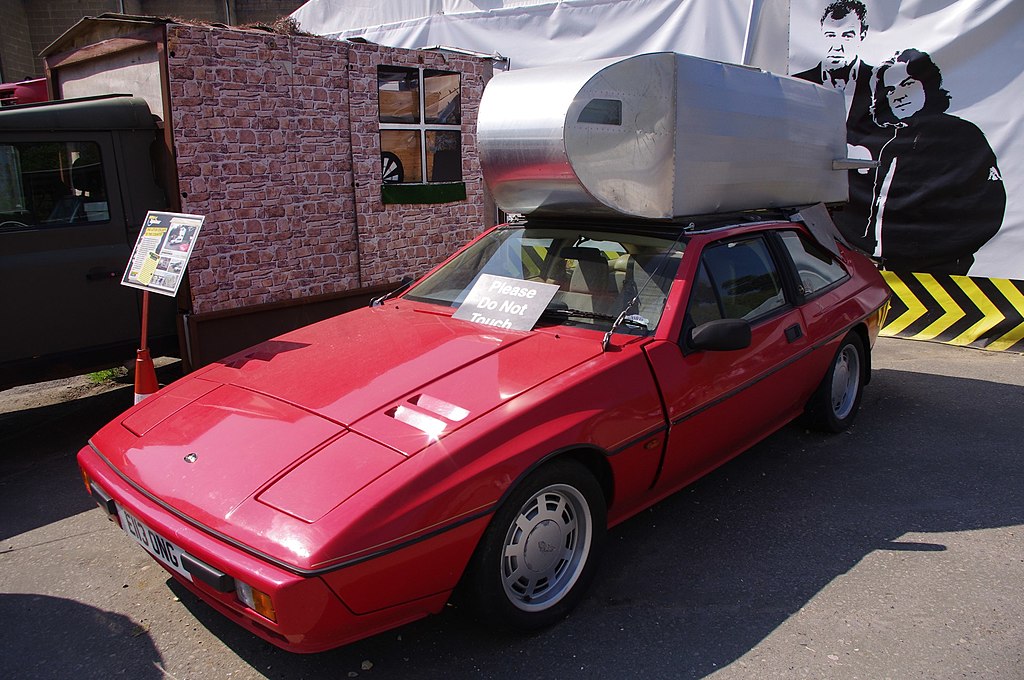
(282,433)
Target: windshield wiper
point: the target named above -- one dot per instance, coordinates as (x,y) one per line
(634,320)
(567,312)
(631,319)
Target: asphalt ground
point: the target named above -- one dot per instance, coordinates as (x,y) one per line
(895,550)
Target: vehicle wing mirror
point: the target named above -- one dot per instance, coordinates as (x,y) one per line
(721,335)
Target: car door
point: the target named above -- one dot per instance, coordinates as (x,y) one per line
(63,246)
(720,402)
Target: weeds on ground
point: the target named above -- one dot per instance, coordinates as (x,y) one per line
(115,374)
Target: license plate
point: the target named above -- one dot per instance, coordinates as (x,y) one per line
(155,544)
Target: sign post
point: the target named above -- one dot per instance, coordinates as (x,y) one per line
(157,265)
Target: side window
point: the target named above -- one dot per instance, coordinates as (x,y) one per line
(816,267)
(745,278)
(51,183)
(703,300)
(602,112)
(420,114)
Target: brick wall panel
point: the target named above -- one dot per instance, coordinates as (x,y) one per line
(277,143)
(240,105)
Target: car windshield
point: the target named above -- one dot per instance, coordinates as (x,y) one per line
(599,273)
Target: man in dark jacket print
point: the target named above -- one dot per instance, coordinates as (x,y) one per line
(938,195)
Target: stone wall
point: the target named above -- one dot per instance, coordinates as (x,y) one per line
(48,19)
(16,55)
(277,144)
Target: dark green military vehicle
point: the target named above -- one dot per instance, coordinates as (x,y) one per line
(76,180)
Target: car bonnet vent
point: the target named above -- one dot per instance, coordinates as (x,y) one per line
(428,414)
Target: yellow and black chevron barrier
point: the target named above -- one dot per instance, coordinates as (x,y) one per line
(957,310)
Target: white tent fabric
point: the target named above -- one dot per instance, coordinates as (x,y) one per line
(542,32)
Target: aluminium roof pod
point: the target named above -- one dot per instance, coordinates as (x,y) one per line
(659,136)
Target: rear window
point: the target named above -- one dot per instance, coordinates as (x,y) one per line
(816,267)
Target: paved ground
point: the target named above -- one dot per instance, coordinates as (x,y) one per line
(895,550)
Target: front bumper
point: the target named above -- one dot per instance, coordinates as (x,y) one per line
(310,616)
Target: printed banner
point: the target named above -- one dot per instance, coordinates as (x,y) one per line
(932,93)
(542,32)
(162,251)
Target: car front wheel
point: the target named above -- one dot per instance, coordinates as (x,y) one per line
(837,399)
(541,550)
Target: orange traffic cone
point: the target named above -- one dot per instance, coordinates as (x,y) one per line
(145,376)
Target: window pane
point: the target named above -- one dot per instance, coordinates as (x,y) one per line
(51,183)
(444,156)
(400,156)
(814,264)
(746,279)
(12,195)
(442,98)
(399,94)
(703,301)
(602,112)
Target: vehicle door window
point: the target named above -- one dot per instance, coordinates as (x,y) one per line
(51,183)
(704,305)
(816,267)
(745,278)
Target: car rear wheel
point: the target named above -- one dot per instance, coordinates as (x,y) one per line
(541,550)
(837,399)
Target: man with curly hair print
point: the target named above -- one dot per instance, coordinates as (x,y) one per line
(938,195)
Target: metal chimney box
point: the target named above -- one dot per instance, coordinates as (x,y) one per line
(659,136)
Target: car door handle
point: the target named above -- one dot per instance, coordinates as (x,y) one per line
(794,333)
(100,274)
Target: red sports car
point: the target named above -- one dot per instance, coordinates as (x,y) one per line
(479,432)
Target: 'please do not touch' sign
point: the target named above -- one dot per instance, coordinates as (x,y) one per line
(507,303)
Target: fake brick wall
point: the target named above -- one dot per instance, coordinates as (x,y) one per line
(261,139)
(277,144)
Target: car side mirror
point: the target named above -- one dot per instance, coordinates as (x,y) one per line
(721,335)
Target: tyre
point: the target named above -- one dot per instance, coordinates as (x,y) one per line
(541,550)
(835,402)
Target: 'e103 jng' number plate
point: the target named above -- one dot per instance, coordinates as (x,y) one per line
(155,544)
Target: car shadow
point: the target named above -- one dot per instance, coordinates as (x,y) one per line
(697,581)
(97,643)
(39,479)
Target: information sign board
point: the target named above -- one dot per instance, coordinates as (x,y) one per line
(162,251)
